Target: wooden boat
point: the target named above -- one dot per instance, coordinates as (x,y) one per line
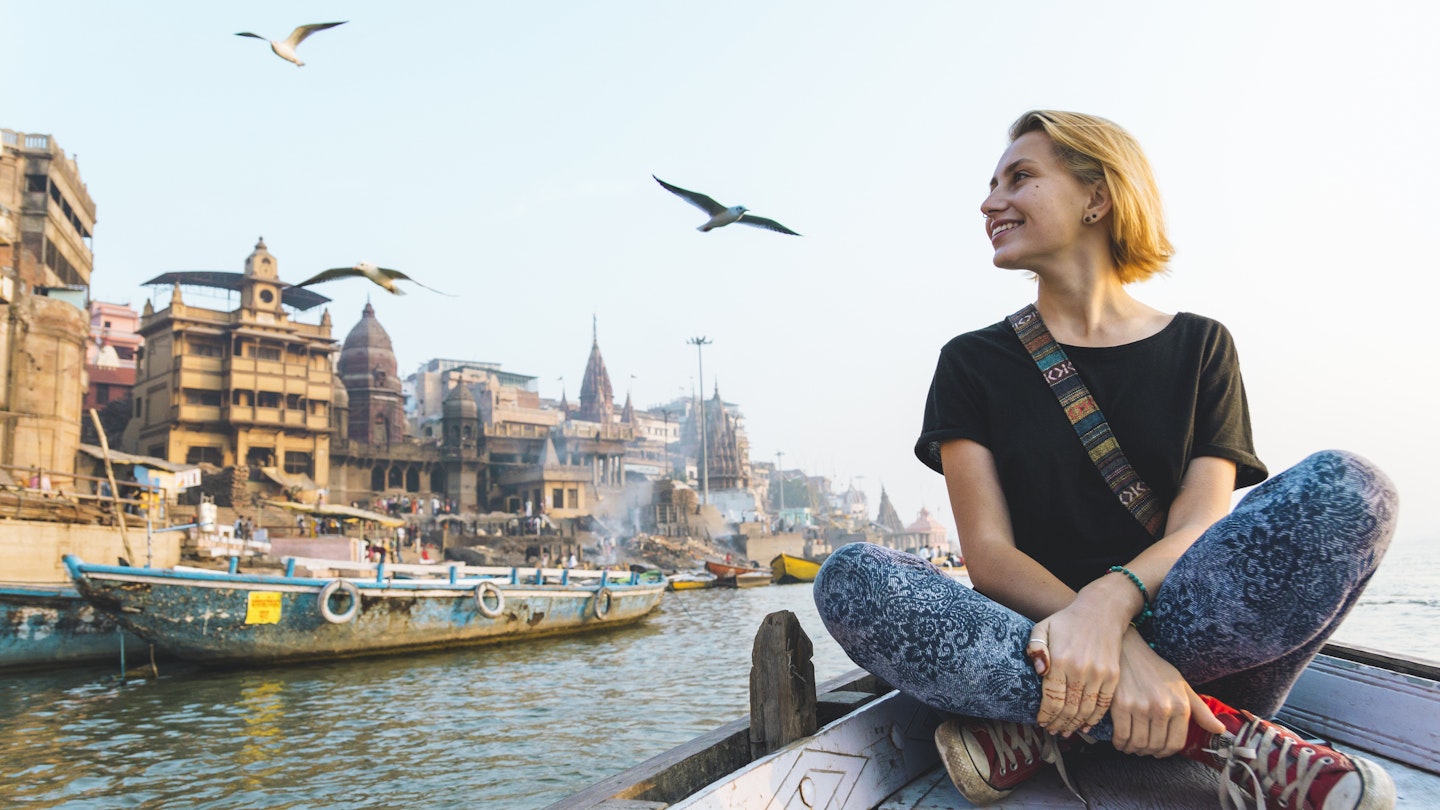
(728,571)
(51,626)
(689,581)
(786,568)
(872,747)
(753,579)
(224,618)
(738,576)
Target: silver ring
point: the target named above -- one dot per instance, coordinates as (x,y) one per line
(1042,642)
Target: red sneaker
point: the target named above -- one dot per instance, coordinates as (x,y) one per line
(1260,760)
(987,759)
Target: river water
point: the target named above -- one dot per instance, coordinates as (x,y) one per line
(514,726)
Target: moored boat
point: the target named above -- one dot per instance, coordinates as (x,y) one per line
(786,568)
(690,580)
(753,579)
(217,617)
(51,625)
(873,747)
(738,576)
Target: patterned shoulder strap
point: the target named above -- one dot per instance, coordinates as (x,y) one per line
(1090,425)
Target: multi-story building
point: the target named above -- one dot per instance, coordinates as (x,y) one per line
(249,386)
(50,214)
(46,219)
(110,356)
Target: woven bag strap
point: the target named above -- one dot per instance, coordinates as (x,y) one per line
(1089,423)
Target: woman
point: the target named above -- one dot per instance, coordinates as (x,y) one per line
(1115,595)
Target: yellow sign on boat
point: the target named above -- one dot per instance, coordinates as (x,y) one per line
(263,607)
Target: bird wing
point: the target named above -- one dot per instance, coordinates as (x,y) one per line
(248,34)
(695,198)
(767,224)
(301,32)
(396,274)
(330,275)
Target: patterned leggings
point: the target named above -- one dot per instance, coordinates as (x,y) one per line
(1240,615)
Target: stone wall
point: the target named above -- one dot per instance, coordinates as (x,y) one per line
(31,551)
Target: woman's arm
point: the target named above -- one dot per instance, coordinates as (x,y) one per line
(982,519)
(1088,633)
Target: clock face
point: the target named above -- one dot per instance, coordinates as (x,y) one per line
(267,296)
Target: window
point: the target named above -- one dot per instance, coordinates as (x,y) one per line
(139,406)
(557,498)
(205,455)
(156,450)
(267,352)
(201,347)
(572,498)
(125,352)
(102,394)
(294,402)
(297,463)
(267,399)
(194,396)
(35,183)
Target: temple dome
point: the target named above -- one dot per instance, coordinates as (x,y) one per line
(460,404)
(340,397)
(367,358)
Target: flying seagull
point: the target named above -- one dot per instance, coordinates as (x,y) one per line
(719,214)
(285,48)
(383,276)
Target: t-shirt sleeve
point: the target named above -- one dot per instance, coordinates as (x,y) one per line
(1222,414)
(952,409)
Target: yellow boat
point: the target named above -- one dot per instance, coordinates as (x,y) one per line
(793,569)
(687,582)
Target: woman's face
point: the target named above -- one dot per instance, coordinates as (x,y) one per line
(1035,208)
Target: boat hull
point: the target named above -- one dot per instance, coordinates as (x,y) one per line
(52,626)
(786,568)
(238,619)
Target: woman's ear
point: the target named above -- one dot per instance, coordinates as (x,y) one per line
(1099,203)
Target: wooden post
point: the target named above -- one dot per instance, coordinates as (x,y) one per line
(114,490)
(782,685)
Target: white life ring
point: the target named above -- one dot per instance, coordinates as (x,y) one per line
(323,601)
(604,597)
(481,590)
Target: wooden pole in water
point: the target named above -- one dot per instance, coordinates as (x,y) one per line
(782,685)
(114,490)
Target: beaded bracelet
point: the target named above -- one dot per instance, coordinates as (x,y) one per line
(1145,612)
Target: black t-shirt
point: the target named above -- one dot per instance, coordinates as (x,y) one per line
(1168,398)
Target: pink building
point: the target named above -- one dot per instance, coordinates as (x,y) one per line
(110,356)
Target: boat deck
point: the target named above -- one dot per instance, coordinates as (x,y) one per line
(875,749)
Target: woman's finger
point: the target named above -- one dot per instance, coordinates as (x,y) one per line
(1038,651)
(1052,699)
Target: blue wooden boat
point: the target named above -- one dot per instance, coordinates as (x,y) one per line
(51,625)
(215,617)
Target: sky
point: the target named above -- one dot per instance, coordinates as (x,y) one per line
(503,153)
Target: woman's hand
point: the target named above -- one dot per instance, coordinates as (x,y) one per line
(1153,704)
(1078,655)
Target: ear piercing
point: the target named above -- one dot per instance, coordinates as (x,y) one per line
(1089,218)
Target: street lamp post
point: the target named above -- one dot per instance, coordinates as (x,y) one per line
(700,343)
(780,479)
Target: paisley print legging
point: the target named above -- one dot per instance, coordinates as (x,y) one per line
(1240,615)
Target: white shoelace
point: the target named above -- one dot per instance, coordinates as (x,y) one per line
(1248,755)
(1016,740)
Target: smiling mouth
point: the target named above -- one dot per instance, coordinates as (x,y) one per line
(1002,228)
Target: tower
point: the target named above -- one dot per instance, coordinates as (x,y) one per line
(260,289)
(597,398)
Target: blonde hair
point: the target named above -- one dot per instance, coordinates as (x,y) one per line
(1095,149)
